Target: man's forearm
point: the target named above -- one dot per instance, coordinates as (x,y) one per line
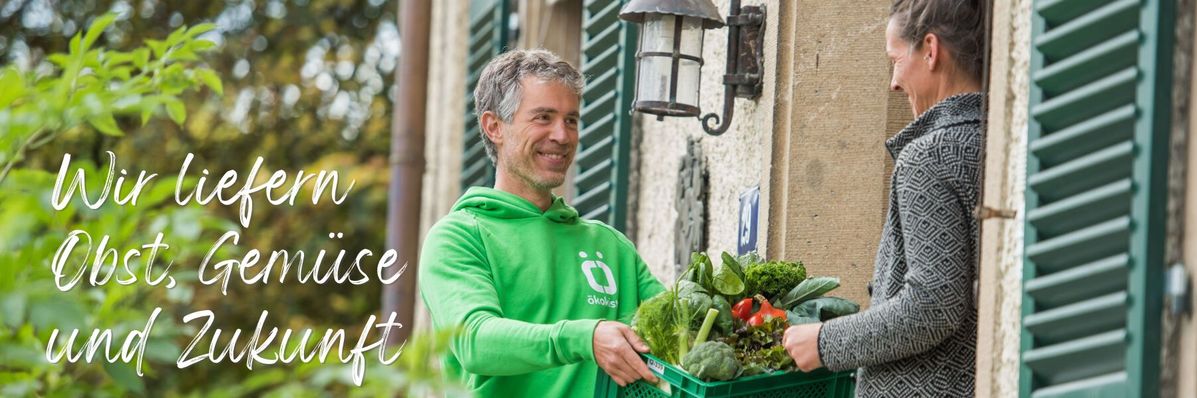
(495,346)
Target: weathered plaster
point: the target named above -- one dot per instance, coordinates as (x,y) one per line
(738,160)
(1001,252)
(830,175)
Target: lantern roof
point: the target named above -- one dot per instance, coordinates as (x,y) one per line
(636,10)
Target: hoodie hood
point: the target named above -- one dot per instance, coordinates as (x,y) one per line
(490,202)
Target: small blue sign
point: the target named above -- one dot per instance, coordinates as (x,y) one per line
(750,203)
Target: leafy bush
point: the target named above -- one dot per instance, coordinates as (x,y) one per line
(93,89)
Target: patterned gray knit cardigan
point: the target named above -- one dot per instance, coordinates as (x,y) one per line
(918,338)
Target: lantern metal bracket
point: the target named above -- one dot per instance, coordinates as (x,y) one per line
(745,53)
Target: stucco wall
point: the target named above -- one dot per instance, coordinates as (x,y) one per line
(1187,380)
(830,175)
(1005,175)
(737,160)
(1183,175)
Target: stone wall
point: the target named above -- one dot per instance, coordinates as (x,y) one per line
(830,175)
(737,160)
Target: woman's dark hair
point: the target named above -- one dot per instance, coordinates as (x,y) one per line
(959,24)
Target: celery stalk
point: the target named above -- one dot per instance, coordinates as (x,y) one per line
(707,322)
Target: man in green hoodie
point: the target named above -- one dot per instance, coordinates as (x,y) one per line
(536,291)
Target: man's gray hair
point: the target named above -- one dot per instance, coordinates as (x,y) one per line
(960,25)
(499,89)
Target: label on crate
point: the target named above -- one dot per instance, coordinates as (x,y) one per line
(656,367)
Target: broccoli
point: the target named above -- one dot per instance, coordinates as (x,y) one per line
(773,278)
(712,360)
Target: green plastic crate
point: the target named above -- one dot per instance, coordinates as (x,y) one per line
(818,384)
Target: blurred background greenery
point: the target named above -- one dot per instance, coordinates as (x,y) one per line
(306,84)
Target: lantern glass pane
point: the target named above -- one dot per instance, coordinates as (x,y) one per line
(657,34)
(692,37)
(653,80)
(688,82)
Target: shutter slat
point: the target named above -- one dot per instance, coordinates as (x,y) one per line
(1089,29)
(1085,137)
(603,37)
(1112,385)
(477,148)
(1079,359)
(1055,11)
(1086,172)
(594,150)
(599,13)
(1079,319)
(1093,279)
(1084,245)
(480,35)
(597,124)
(475,171)
(594,197)
(595,175)
(1088,65)
(1087,101)
(597,212)
(601,101)
(607,58)
(1090,207)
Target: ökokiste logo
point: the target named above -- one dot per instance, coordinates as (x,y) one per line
(588,267)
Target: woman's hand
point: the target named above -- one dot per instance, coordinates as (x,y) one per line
(802,343)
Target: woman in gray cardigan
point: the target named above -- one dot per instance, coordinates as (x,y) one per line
(918,338)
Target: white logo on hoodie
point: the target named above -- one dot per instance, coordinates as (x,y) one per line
(588,268)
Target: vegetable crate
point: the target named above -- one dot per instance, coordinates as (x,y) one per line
(818,384)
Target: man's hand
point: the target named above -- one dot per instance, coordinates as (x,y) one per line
(615,348)
(802,343)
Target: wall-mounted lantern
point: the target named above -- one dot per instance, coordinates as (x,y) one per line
(669,58)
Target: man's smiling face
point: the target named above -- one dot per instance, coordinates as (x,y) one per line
(539,143)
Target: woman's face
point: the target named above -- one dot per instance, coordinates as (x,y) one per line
(912,70)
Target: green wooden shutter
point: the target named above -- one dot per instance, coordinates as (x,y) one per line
(1095,199)
(488,38)
(609,64)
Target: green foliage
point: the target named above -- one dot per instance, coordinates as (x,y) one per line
(33,306)
(656,321)
(728,282)
(825,308)
(93,86)
(773,278)
(695,301)
(759,349)
(701,271)
(808,289)
(87,86)
(103,88)
(724,322)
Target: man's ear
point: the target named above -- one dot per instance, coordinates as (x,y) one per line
(492,126)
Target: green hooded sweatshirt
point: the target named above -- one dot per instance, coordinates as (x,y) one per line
(527,288)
